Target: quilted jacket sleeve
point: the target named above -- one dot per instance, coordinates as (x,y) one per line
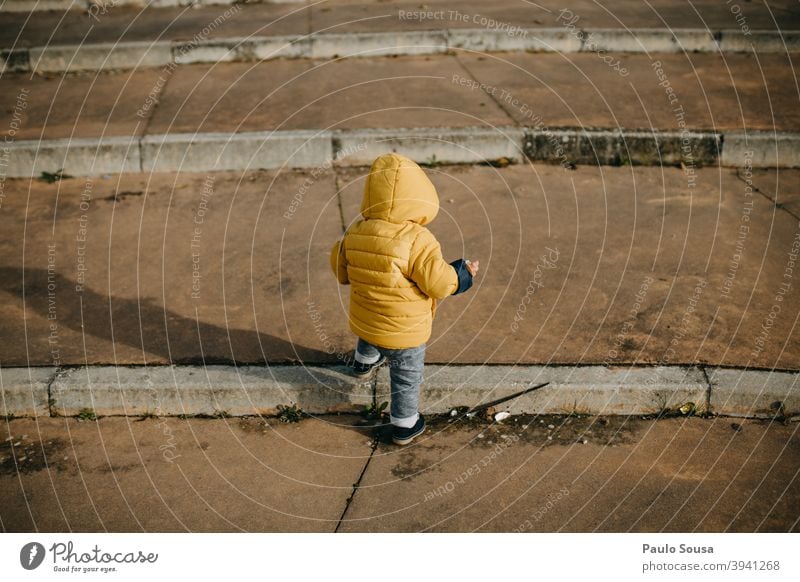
(435,277)
(339,262)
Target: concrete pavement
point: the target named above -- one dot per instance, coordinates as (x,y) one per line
(544,473)
(645,266)
(206,33)
(602,273)
(568,109)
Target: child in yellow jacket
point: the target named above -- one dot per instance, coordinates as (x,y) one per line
(396,271)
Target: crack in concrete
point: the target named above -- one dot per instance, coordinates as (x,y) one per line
(775,203)
(337,184)
(373,448)
(708,388)
(497,102)
(50,381)
(170,70)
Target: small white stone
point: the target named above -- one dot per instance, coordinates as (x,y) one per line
(501,416)
(550,426)
(584,441)
(549,438)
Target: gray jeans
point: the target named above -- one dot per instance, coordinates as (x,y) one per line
(405,373)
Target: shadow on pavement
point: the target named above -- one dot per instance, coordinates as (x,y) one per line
(146,326)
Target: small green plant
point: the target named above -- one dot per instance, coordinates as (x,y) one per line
(431,162)
(291,413)
(53,177)
(87,414)
(374,411)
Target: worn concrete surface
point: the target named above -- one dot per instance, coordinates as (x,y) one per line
(130,23)
(652,226)
(711,91)
(782,188)
(302,94)
(52,107)
(174,475)
(631,475)
(547,91)
(248,474)
(154,278)
(208,390)
(640,269)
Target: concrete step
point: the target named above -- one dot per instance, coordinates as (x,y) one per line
(593,266)
(223,391)
(698,109)
(122,37)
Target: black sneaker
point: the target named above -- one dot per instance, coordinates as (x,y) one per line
(403,436)
(362,370)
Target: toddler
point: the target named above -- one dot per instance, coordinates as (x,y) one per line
(396,271)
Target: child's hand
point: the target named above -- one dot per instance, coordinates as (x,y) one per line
(472,267)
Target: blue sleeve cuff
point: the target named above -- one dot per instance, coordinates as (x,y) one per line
(464,276)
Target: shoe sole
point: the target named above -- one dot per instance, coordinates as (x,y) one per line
(402,442)
(370,371)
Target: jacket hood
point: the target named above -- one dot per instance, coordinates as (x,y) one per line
(398,191)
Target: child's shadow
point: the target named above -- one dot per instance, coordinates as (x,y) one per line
(147,326)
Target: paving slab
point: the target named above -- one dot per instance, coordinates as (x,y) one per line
(254,474)
(167,475)
(782,188)
(754,393)
(89,105)
(206,390)
(360,15)
(543,92)
(213,152)
(99,57)
(74,156)
(167,23)
(537,475)
(647,269)
(570,389)
(406,92)
(170,268)
(25,391)
(602,266)
(665,91)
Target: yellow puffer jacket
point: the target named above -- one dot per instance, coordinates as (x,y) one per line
(392,261)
